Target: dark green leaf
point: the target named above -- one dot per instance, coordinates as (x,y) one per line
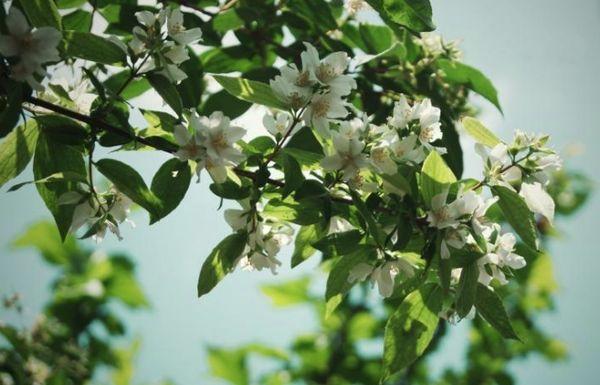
(167,91)
(517,214)
(220,262)
(460,73)
(467,289)
(490,307)
(42,13)
(130,183)
(412,14)
(78,20)
(169,185)
(50,158)
(63,130)
(339,243)
(88,46)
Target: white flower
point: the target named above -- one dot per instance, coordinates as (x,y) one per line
(498,165)
(354,6)
(338,224)
(499,255)
(355,128)
(219,139)
(330,70)
(258,261)
(288,92)
(382,161)
(32,47)
(177,31)
(236,218)
(347,156)
(385,274)
(406,149)
(78,93)
(120,207)
(190,144)
(279,124)
(402,114)
(360,272)
(323,108)
(432,43)
(538,200)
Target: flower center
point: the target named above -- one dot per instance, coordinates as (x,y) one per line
(320,107)
(325,72)
(303,79)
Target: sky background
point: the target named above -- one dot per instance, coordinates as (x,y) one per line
(543,57)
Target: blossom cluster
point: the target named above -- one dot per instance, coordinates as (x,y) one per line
(163,39)
(209,141)
(100,211)
(266,237)
(32,48)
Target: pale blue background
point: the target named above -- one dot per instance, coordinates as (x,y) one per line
(543,57)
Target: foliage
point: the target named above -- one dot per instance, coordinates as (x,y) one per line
(360,147)
(73,337)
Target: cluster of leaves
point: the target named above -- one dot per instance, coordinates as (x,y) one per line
(284,176)
(340,350)
(73,337)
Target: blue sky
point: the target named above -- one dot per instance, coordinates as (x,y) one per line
(543,57)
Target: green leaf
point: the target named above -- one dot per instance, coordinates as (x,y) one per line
(230,190)
(50,158)
(435,176)
(337,282)
(517,214)
(44,236)
(339,243)
(129,182)
(229,365)
(374,229)
(292,172)
(78,20)
(316,12)
(411,327)
(467,289)
(250,91)
(11,105)
(169,185)
(490,307)
(305,212)
(226,21)
(220,262)
(305,147)
(16,150)
(303,243)
(412,14)
(224,101)
(377,38)
(63,176)
(87,46)
(288,293)
(42,13)
(167,91)
(479,132)
(63,130)
(460,73)
(133,89)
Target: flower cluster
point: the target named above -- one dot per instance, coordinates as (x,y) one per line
(210,142)
(317,89)
(163,39)
(407,137)
(101,211)
(32,48)
(383,273)
(266,237)
(525,167)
